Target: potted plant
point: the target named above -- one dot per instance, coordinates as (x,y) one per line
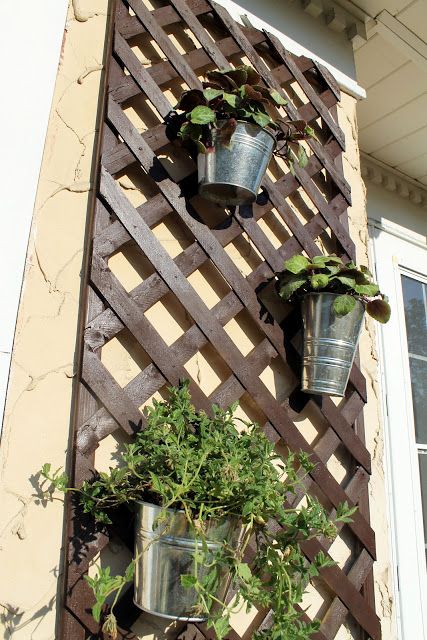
(232,123)
(334,297)
(205,494)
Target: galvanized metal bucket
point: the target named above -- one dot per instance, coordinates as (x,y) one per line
(164,552)
(233,176)
(330,343)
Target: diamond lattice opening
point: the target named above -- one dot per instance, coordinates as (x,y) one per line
(124,358)
(209,284)
(169,318)
(173,235)
(130,266)
(244,332)
(208,369)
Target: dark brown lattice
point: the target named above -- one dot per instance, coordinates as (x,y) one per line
(305,212)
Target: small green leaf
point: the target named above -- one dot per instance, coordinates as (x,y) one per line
(379,310)
(278,99)
(211,94)
(244,571)
(261,118)
(326,260)
(292,285)
(367,289)
(201,115)
(343,305)
(188,580)
(232,99)
(221,627)
(302,157)
(296,264)
(96,611)
(319,280)
(346,280)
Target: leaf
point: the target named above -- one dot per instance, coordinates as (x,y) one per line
(345,280)
(201,115)
(221,79)
(253,76)
(296,264)
(211,94)
(277,97)
(221,627)
(96,611)
(261,118)
(188,580)
(239,75)
(379,310)
(46,469)
(319,280)
(343,305)
(244,571)
(252,94)
(231,98)
(130,572)
(326,259)
(191,99)
(293,284)
(367,289)
(302,157)
(226,132)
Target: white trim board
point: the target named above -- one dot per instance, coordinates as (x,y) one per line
(31,38)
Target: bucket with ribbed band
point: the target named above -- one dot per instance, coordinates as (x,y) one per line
(232,176)
(330,343)
(164,550)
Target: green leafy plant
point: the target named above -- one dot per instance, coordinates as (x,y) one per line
(210,469)
(330,274)
(238,94)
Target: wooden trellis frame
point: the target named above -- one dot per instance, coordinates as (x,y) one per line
(103,406)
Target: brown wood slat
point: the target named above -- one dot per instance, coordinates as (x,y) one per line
(104,407)
(167,269)
(309,91)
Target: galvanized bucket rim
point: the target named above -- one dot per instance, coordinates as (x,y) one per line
(329,293)
(254,124)
(172,511)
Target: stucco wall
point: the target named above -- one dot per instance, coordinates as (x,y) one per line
(374,429)
(39,403)
(37,415)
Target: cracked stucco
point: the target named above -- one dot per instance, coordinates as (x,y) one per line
(374,429)
(37,415)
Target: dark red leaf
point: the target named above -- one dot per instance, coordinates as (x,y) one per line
(226,131)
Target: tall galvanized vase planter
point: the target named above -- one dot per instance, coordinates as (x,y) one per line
(330,343)
(231,175)
(165,551)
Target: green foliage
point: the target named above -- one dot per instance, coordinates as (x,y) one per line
(185,459)
(236,94)
(330,274)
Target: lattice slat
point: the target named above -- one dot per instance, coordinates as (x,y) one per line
(107,407)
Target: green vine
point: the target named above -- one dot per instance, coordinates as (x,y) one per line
(215,467)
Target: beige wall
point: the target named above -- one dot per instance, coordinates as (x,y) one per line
(374,431)
(38,407)
(37,416)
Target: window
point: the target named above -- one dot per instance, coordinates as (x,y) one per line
(401,266)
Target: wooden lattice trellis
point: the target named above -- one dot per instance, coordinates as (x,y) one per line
(105,407)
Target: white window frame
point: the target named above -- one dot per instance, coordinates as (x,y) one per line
(395,255)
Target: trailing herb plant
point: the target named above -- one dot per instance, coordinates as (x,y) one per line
(185,459)
(237,94)
(330,274)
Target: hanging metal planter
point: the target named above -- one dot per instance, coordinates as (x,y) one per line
(231,175)
(330,343)
(164,552)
